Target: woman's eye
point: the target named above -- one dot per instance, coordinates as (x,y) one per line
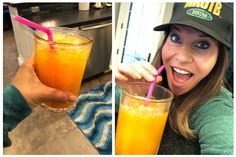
(175,38)
(202,45)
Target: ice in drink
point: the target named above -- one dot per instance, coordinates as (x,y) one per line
(62,67)
(140,127)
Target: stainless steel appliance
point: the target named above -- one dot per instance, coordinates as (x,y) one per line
(100,57)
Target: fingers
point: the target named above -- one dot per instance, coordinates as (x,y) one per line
(128,71)
(143,70)
(121,77)
(158,79)
(148,67)
(137,70)
(51,94)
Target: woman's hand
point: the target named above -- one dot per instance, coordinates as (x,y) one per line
(138,71)
(35,92)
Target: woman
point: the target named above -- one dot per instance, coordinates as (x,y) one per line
(194,52)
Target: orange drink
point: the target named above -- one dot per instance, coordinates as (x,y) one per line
(140,127)
(62,67)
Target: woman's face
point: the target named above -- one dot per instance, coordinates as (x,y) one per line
(188,55)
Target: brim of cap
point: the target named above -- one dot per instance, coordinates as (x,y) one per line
(195,25)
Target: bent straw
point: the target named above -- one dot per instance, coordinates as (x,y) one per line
(36,26)
(153,84)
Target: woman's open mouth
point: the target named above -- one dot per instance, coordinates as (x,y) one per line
(181,76)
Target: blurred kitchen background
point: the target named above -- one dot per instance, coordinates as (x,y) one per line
(58,134)
(93,18)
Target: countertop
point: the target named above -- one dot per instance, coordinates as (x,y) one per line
(48,133)
(71,18)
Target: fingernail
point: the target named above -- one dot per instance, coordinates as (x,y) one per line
(159,79)
(154,72)
(72,98)
(124,78)
(150,77)
(138,75)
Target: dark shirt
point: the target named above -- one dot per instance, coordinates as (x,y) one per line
(15,109)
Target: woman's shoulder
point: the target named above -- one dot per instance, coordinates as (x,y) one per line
(218,104)
(213,123)
(226,95)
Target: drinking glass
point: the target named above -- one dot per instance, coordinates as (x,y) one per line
(62,67)
(141,121)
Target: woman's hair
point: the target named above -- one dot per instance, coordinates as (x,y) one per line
(207,88)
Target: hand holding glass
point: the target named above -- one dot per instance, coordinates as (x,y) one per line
(62,67)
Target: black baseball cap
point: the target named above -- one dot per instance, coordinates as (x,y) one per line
(212,18)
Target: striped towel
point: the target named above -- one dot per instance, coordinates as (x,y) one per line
(93,115)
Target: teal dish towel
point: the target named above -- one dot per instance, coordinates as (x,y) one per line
(93,115)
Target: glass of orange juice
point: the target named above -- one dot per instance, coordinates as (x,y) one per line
(63,66)
(141,121)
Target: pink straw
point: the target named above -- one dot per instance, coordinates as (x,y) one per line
(153,83)
(36,26)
